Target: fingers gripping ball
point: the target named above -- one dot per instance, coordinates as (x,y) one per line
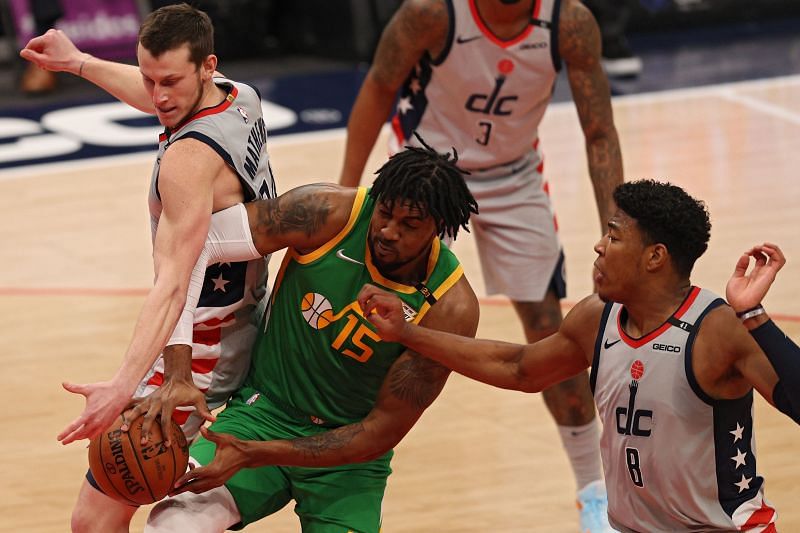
(317,310)
(135,473)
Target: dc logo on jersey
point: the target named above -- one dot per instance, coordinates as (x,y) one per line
(493,103)
(243,113)
(632,421)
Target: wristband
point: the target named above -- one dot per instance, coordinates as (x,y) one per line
(752,312)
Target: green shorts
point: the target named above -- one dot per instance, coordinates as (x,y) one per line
(336,499)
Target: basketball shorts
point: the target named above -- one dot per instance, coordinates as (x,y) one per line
(516,231)
(328,500)
(220,361)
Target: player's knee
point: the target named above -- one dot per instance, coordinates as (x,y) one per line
(87,520)
(95,512)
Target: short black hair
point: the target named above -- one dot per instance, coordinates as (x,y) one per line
(429,181)
(666,214)
(172,26)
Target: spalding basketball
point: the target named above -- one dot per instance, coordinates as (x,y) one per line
(135,473)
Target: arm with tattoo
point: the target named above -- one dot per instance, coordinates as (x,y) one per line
(303,218)
(411,385)
(418,26)
(579,41)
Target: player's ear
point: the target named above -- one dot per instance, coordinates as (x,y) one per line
(208,66)
(657,255)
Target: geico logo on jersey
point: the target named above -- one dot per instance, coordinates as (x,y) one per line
(667,348)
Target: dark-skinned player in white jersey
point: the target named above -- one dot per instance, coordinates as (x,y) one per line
(478,75)
(673,368)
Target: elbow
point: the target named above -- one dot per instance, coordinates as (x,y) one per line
(525,382)
(381,441)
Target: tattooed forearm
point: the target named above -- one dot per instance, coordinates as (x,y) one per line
(303,210)
(417,380)
(325,443)
(580,48)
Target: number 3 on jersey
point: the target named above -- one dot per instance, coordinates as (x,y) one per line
(486,132)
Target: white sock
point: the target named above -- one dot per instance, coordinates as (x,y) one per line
(582,444)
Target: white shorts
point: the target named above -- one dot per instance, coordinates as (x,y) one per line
(516,231)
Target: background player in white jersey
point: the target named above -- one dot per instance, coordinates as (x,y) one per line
(211,156)
(673,369)
(481,77)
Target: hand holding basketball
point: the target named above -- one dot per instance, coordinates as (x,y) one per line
(160,404)
(104,401)
(135,473)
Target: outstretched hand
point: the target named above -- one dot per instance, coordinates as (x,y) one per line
(746,290)
(384,311)
(162,402)
(104,402)
(54,51)
(229,457)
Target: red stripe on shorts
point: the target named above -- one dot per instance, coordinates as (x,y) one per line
(208,337)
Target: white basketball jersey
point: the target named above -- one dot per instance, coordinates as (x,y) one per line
(674,458)
(236,131)
(483,96)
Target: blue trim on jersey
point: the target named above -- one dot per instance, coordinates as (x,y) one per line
(598,345)
(451,32)
(687,356)
(729,416)
(555,55)
(247,189)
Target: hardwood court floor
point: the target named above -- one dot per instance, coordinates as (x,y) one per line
(76,267)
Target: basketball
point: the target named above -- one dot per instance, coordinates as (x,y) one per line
(317,310)
(135,473)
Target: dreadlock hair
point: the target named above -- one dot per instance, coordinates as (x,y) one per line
(428,181)
(666,214)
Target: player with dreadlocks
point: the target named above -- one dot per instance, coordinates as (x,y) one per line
(326,399)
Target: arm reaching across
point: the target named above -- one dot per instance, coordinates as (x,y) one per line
(528,368)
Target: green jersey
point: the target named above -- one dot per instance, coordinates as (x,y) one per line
(317,355)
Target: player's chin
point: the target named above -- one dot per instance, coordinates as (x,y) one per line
(603,293)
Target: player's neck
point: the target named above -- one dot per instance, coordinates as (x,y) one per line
(410,273)
(653,306)
(505,21)
(213,95)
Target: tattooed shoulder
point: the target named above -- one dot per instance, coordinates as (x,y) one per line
(302,210)
(578,32)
